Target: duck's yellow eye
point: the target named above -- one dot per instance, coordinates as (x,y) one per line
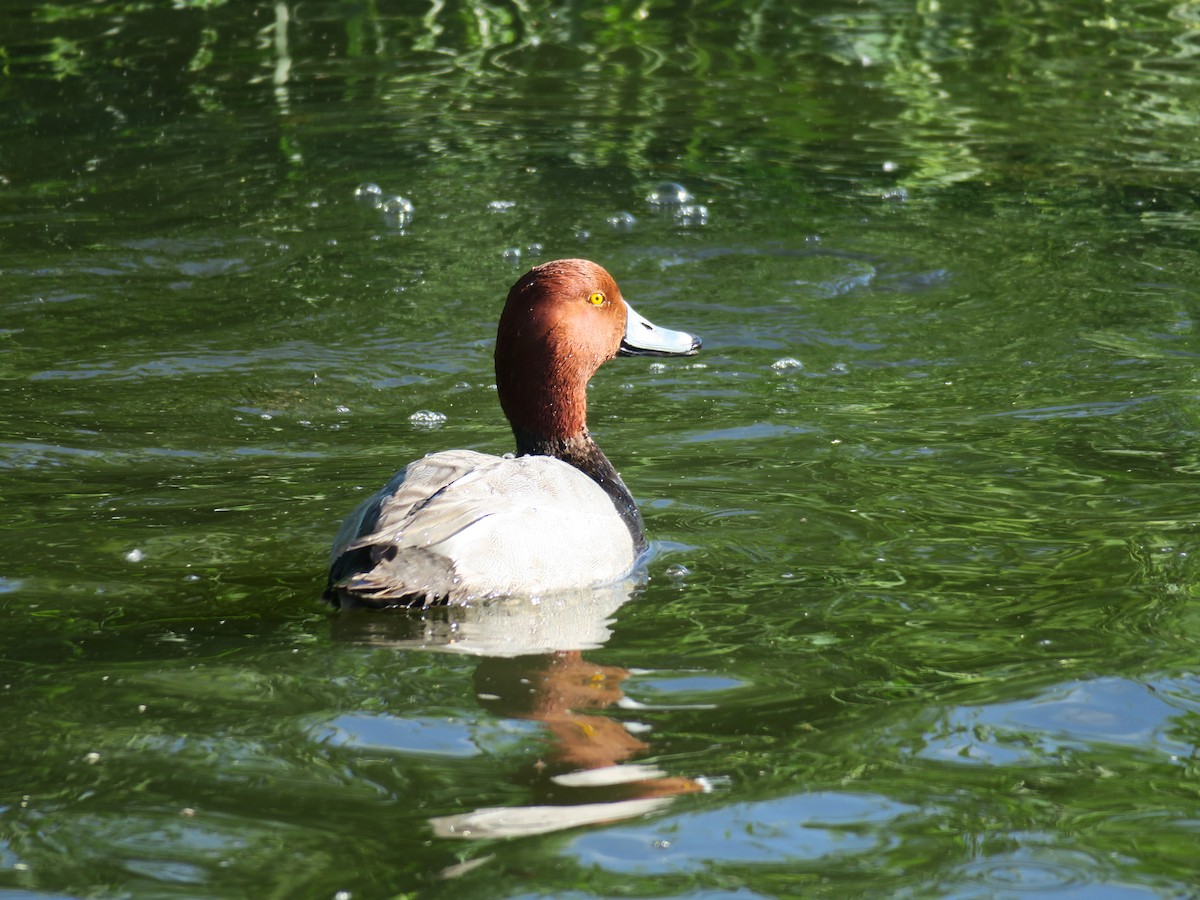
(597,299)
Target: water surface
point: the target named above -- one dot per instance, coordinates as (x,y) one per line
(921,616)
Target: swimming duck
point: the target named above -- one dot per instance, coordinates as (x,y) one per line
(459,525)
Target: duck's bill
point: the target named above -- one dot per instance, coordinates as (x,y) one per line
(644,338)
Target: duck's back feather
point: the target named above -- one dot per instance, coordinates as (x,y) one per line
(460,525)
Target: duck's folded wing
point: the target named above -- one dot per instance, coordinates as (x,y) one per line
(386,510)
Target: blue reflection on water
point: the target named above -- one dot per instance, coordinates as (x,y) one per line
(421,734)
(1072,716)
(801,827)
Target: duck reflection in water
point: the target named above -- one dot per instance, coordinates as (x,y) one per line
(584,777)
(533,667)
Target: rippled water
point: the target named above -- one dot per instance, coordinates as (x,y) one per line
(920,618)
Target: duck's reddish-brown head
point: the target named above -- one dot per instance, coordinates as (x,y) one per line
(562,321)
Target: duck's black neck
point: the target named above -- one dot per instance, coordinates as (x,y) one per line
(584,454)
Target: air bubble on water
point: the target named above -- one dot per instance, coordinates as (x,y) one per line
(135,555)
(669,194)
(428,419)
(657,368)
(692,214)
(535,249)
(397,211)
(898,195)
(341,409)
(501,205)
(839,368)
(512,254)
(582,234)
(890,166)
(369,192)
(788,362)
(678,572)
(622,221)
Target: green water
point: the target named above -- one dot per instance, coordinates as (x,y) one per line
(921,619)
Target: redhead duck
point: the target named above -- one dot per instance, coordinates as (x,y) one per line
(459,525)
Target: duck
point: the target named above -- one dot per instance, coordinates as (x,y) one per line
(460,526)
